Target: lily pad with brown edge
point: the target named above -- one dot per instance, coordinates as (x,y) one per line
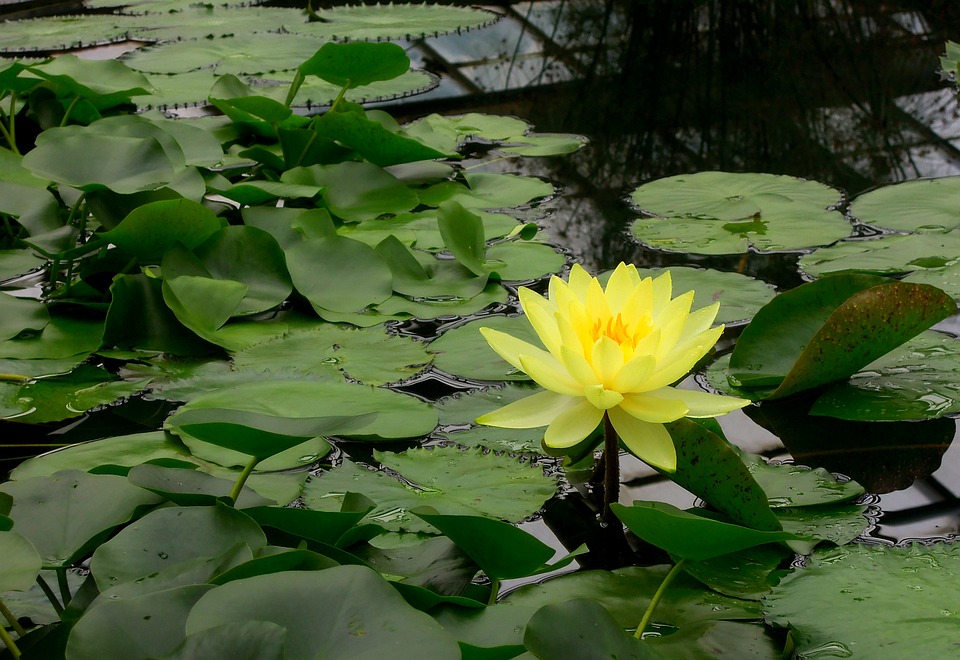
(827,330)
(729,213)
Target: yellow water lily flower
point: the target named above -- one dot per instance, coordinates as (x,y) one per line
(612,351)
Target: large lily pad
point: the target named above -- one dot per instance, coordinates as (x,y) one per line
(445,478)
(394,21)
(463,351)
(364,616)
(740,296)
(922,205)
(726,213)
(908,591)
(331,352)
(61,33)
(889,254)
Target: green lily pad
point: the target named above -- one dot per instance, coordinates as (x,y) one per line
(354,64)
(727,213)
(105,83)
(394,21)
(827,330)
(189,487)
(462,351)
(355,191)
(21,314)
(839,524)
(153,228)
(907,590)
(445,478)
(67,514)
(486,190)
(61,33)
(464,407)
(21,562)
(240,640)
(740,296)
(63,337)
(921,205)
(525,260)
(745,574)
(918,380)
(331,352)
(579,628)
(793,486)
(886,255)
(365,616)
(169,536)
(514,441)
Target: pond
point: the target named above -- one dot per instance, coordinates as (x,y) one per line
(828,105)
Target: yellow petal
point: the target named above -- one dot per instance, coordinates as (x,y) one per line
(634,374)
(698,321)
(550,373)
(573,425)
(529,412)
(601,398)
(662,290)
(653,409)
(637,308)
(579,281)
(576,338)
(578,367)
(700,404)
(509,347)
(651,443)
(607,360)
(541,315)
(596,303)
(619,288)
(671,322)
(675,367)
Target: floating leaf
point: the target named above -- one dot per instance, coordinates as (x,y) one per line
(740,296)
(581,628)
(365,616)
(922,205)
(21,314)
(726,213)
(525,260)
(144,626)
(744,574)
(488,191)
(445,478)
(330,352)
(886,255)
(827,330)
(240,640)
(791,486)
(907,590)
(189,487)
(169,536)
(351,275)
(153,228)
(356,191)
(70,395)
(105,83)
(21,563)
(65,515)
(61,32)
(462,351)
(394,21)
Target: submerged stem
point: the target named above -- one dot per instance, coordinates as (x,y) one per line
(8,615)
(14,651)
(65,595)
(242,479)
(662,589)
(52,597)
(611,472)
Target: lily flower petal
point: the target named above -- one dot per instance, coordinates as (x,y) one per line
(542,317)
(529,412)
(509,347)
(700,404)
(651,443)
(573,425)
(607,360)
(655,410)
(550,373)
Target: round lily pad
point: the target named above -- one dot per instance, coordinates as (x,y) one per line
(727,213)
(368,355)
(357,22)
(450,480)
(922,205)
(464,352)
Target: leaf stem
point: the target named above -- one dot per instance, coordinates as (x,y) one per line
(52,597)
(611,462)
(14,651)
(662,589)
(247,470)
(64,586)
(494,591)
(66,114)
(8,615)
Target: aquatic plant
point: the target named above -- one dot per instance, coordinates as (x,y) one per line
(223,286)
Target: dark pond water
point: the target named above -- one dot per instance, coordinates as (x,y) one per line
(842,92)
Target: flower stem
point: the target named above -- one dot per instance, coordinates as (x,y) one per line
(494,591)
(64,586)
(237,487)
(8,615)
(8,641)
(662,589)
(611,462)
